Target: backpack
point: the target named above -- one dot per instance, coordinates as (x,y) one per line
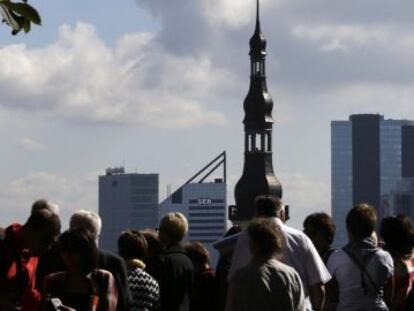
(362,264)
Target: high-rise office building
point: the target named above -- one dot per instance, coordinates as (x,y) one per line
(400,200)
(203,203)
(126,201)
(370,155)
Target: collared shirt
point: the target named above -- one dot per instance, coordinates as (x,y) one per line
(18,270)
(298,252)
(266,286)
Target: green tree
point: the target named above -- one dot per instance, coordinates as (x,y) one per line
(19,15)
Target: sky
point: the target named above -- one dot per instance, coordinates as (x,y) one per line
(158,86)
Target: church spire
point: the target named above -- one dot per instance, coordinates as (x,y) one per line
(258,177)
(257,16)
(257,41)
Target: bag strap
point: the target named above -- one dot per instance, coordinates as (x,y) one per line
(362,266)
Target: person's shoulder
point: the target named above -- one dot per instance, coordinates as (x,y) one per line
(286,275)
(244,274)
(111,262)
(56,275)
(177,255)
(140,276)
(384,257)
(383,253)
(279,266)
(296,234)
(337,254)
(54,280)
(336,258)
(110,256)
(102,273)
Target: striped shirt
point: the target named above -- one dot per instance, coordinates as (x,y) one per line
(144,290)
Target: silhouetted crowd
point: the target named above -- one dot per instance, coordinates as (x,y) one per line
(266,265)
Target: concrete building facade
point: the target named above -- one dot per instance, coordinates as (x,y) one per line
(204,204)
(126,201)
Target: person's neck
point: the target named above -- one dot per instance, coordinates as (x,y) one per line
(169,245)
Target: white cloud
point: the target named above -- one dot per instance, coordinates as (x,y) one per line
(232,13)
(79,77)
(32,144)
(304,195)
(334,37)
(69,192)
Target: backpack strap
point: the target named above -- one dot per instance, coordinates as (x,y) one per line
(362,264)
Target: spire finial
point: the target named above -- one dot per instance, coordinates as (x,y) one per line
(257,41)
(257,15)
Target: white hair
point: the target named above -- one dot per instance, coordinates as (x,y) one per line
(86,220)
(45,205)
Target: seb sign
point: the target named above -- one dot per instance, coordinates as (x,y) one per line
(204,201)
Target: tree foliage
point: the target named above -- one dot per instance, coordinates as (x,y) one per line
(19,15)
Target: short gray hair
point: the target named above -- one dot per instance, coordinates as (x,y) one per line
(86,220)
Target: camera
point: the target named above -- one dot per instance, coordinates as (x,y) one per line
(54,304)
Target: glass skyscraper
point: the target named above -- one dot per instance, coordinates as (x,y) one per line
(369,156)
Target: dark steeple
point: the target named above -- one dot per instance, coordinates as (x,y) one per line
(257,41)
(258,177)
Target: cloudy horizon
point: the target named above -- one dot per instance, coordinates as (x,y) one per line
(159,86)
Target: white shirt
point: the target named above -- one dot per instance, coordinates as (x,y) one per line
(299,253)
(348,277)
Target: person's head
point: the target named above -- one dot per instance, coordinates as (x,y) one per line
(406,222)
(320,228)
(199,255)
(173,228)
(86,220)
(43,204)
(132,245)
(41,230)
(397,236)
(78,250)
(153,241)
(268,206)
(266,239)
(361,221)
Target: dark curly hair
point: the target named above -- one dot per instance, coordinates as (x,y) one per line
(82,243)
(398,236)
